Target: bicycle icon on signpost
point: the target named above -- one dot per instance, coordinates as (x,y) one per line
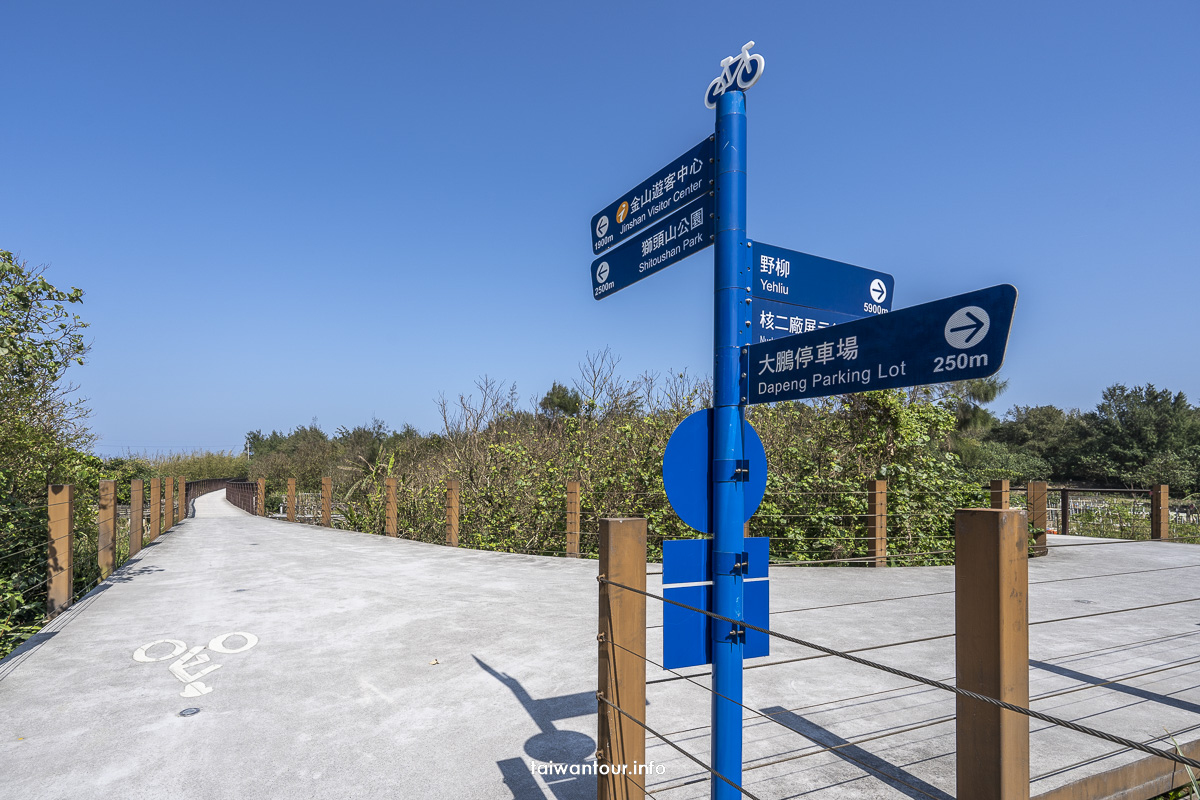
(743,69)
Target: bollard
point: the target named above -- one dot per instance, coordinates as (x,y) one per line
(1038,518)
(572,519)
(60,573)
(1000,493)
(136,507)
(168,504)
(877,523)
(620,659)
(291,500)
(327,502)
(452,489)
(1160,516)
(106,529)
(991,584)
(262,497)
(389,522)
(155,508)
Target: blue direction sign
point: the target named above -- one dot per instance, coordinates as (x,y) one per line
(773,320)
(681,182)
(787,276)
(675,237)
(947,340)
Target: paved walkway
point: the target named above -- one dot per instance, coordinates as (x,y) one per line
(340,665)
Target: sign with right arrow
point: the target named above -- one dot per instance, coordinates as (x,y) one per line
(952,339)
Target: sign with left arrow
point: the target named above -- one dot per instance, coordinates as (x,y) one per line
(679,183)
(674,238)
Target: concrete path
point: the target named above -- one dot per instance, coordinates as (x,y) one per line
(325,686)
(382,668)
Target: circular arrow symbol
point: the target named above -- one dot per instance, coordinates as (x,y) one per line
(602,226)
(878,291)
(967,327)
(602,272)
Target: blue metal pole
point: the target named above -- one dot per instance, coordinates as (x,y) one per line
(731,333)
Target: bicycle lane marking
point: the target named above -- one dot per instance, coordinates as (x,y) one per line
(191,659)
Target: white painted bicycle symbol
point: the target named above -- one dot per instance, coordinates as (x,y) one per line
(193,658)
(743,69)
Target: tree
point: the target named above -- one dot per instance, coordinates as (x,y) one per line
(1045,432)
(561,402)
(42,438)
(1133,429)
(42,423)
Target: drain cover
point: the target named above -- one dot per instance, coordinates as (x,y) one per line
(189,712)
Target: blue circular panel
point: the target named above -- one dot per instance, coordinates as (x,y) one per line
(687,470)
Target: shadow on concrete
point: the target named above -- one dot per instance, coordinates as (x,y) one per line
(1132,691)
(549,745)
(894,776)
(28,647)
(125,573)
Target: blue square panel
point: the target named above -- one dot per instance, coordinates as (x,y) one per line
(686,560)
(686,633)
(757,597)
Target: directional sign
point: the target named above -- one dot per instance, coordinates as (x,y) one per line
(798,278)
(947,340)
(774,320)
(677,236)
(675,185)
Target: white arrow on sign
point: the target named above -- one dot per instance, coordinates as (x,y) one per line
(878,291)
(967,327)
(602,226)
(602,272)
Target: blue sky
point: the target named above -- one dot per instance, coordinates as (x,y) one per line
(282,211)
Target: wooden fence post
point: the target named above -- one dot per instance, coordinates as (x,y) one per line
(1038,518)
(327,502)
(137,505)
(572,519)
(60,573)
(106,529)
(155,507)
(168,504)
(183,502)
(1064,513)
(452,489)
(389,522)
(291,500)
(262,497)
(877,523)
(1000,493)
(1160,512)
(620,659)
(991,586)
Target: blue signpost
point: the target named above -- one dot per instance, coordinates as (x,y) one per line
(675,237)
(683,181)
(732,332)
(803,280)
(772,319)
(951,339)
(787,326)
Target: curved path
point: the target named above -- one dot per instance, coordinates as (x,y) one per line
(337,699)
